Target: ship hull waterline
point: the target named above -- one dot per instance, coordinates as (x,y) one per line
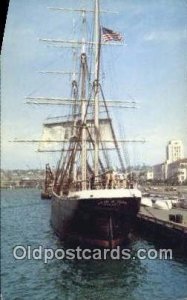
(46,195)
(99,222)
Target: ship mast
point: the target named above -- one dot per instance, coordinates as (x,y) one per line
(96,88)
(83,121)
(83,111)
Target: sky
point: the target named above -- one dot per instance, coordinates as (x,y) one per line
(151,68)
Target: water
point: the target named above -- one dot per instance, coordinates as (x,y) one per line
(25,221)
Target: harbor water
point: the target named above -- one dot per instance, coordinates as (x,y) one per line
(26,221)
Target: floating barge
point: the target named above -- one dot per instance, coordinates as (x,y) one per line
(157,225)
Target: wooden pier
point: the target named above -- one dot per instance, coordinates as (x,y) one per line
(156,224)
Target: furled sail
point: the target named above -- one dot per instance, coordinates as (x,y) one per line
(55,134)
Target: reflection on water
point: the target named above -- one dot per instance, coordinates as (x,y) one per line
(25,221)
(111,279)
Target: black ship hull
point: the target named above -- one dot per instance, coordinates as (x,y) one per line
(96,222)
(46,195)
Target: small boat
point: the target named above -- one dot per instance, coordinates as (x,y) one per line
(146,201)
(183,203)
(174,201)
(162,204)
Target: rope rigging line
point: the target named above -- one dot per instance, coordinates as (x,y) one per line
(113,133)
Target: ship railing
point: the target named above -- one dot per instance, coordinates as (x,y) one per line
(93,184)
(100,184)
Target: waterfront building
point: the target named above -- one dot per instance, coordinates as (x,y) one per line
(175,166)
(149,175)
(177,170)
(174,151)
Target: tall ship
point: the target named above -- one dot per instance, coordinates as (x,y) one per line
(94,200)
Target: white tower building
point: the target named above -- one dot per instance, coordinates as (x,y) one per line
(174,151)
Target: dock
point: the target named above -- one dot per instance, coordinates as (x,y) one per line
(156,224)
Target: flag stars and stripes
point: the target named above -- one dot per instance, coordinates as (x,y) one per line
(110,35)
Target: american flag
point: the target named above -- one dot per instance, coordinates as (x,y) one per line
(109,35)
